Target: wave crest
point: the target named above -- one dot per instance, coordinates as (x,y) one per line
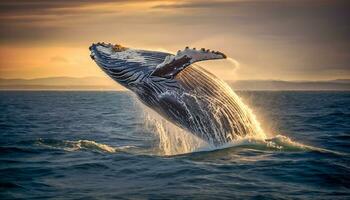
(77,145)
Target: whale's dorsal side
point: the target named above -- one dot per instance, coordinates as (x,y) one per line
(173,64)
(130,66)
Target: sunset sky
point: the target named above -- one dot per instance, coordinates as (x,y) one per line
(273,39)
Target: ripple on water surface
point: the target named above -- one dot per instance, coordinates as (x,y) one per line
(73,145)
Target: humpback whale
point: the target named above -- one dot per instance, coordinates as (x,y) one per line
(179,90)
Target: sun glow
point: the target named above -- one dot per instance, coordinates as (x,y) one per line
(37,62)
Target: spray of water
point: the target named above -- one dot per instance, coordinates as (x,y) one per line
(171,139)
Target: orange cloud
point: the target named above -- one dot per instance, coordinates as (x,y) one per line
(34,62)
(281,39)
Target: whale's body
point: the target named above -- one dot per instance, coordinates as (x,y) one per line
(183,93)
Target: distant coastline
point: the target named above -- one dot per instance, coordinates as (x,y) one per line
(102,83)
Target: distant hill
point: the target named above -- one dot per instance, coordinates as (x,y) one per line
(60,83)
(105,83)
(343,84)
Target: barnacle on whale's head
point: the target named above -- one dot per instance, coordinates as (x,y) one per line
(118,48)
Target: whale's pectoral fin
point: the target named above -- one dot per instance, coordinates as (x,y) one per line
(174,64)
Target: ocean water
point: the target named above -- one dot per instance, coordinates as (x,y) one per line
(103,145)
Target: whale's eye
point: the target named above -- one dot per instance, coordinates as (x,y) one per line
(118,48)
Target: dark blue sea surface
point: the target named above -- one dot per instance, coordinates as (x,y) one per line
(94,145)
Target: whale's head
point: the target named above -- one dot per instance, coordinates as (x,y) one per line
(130,67)
(125,65)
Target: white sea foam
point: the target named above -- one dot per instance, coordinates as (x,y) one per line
(68,145)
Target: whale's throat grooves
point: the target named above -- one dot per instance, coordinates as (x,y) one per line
(223,114)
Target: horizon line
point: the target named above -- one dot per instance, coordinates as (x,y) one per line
(84,77)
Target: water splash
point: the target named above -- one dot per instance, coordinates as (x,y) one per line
(171,139)
(233,62)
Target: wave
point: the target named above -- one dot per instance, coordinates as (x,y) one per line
(279,143)
(68,145)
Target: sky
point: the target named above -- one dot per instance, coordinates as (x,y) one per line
(272,39)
